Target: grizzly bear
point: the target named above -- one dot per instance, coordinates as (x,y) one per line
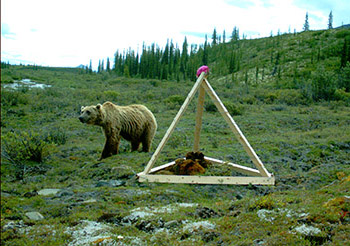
(135,123)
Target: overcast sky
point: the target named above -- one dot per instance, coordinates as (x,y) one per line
(73,32)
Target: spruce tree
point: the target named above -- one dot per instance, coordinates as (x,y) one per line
(165,58)
(306,24)
(90,67)
(108,68)
(205,52)
(214,37)
(171,57)
(99,66)
(330,21)
(235,34)
(184,58)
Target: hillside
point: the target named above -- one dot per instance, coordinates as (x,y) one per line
(55,192)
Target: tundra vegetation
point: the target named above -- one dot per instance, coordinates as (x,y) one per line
(290,96)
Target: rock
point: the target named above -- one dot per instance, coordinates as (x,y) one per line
(116,183)
(90,233)
(259,242)
(195,226)
(102,183)
(313,234)
(110,183)
(35,216)
(13,225)
(307,230)
(48,192)
(65,193)
(89,201)
(266,215)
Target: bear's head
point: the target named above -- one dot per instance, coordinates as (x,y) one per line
(91,115)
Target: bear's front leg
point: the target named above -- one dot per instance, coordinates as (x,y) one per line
(111,147)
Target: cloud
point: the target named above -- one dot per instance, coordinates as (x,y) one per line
(239,3)
(69,33)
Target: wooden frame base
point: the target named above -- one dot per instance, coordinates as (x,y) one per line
(228,180)
(258,176)
(187,179)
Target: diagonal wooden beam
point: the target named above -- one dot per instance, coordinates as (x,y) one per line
(174,123)
(236,167)
(235,129)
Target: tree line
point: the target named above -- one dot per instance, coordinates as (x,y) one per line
(174,63)
(169,63)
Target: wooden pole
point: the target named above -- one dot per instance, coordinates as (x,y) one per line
(235,129)
(199,115)
(174,123)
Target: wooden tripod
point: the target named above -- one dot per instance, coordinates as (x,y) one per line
(256,176)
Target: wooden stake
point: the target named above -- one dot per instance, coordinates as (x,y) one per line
(199,115)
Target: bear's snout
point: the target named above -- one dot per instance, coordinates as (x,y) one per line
(81,118)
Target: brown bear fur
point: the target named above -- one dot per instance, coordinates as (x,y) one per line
(135,123)
(194,164)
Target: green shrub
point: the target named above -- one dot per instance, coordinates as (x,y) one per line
(270,97)
(111,95)
(342,95)
(265,202)
(344,78)
(57,136)
(232,108)
(24,146)
(175,99)
(323,85)
(249,100)
(293,97)
(13,98)
(210,106)
(343,34)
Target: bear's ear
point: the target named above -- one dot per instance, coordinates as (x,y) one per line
(98,106)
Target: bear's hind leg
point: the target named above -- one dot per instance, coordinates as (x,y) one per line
(147,138)
(146,144)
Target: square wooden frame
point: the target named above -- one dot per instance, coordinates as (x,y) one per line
(259,176)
